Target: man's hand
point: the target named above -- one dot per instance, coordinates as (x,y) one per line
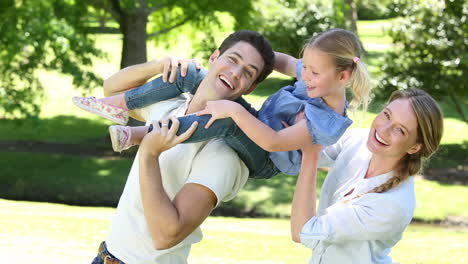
(219,109)
(168,67)
(162,138)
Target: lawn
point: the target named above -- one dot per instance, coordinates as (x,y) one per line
(53,233)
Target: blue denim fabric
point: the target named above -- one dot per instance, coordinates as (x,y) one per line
(157,90)
(99,260)
(325,125)
(255,158)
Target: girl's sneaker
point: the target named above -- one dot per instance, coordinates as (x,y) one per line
(120,137)
(93,105)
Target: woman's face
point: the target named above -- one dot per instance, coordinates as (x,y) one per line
(394,131)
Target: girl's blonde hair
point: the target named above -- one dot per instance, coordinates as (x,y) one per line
(429,133)
(344,47)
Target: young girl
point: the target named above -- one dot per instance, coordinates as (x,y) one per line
(314,109)
(368,197)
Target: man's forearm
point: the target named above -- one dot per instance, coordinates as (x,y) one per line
(161,215)
(131,77)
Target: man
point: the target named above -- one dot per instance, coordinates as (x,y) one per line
(169,194)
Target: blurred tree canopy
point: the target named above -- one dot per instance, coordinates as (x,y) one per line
(430,52)
(55,35)
(38,35)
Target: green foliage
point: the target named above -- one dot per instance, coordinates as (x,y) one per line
(36,35)
(371,10)
(288,24)
(430,52)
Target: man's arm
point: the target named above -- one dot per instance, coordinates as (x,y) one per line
(169,221)
(137,75)
(286,64)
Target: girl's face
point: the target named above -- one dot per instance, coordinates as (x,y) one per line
(394,132)
(320,75)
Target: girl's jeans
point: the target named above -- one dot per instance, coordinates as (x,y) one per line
(254,157)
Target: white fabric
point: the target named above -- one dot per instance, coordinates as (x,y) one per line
(362,230)
(211,163)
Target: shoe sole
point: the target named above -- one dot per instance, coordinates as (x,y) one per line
(101,114)
(114,140)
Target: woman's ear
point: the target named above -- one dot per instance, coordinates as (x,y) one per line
(415,148)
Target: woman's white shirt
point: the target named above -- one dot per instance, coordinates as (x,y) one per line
(364,229)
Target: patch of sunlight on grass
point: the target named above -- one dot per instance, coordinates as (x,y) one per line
(104,172)
(450,201)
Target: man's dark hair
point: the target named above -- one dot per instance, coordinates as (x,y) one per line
(259,42)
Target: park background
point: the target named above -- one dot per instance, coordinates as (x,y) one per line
(60,180)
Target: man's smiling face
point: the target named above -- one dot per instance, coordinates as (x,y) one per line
(234,72)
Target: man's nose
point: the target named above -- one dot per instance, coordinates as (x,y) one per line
(236,71)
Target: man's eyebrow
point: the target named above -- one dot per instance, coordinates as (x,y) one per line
(388,109)
(240,56)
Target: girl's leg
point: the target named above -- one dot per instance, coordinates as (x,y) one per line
(116,100)
(254,157)
(125,137)
(157,90)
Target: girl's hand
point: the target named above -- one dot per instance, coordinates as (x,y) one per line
(219,109)
(300,116)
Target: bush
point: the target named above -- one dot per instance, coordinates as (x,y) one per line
(371,10)
(430,52)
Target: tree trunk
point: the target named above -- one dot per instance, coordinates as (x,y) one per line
(133,28)
(351,14)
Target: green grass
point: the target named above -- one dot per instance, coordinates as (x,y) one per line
(437,201)
(53,233)
(98,181)
(62,178)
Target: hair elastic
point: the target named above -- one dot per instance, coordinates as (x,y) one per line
(356,59)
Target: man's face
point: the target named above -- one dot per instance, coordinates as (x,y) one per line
(233,73)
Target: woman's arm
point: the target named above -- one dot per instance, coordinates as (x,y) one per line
(304,199)
(286,64)
(291,138)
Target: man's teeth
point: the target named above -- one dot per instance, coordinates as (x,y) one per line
(379,139)
(226,81)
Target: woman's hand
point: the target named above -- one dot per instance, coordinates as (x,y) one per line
(162,138)
(219,109)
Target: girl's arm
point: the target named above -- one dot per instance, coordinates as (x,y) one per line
(304,199)
(286,64)
(291,138)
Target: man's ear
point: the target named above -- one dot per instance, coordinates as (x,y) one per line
(415,148)
(214,56)
(252,87)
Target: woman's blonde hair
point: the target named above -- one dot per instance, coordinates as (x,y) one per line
(344,47)
(429,133)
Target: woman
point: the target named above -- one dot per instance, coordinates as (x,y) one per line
(368,197)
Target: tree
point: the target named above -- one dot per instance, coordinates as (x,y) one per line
(55,35)
(289,24)
(132,17)
(38,35)
(430,53)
